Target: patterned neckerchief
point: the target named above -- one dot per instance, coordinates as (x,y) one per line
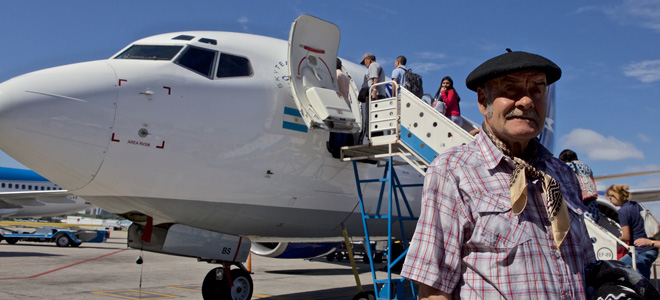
(556,208)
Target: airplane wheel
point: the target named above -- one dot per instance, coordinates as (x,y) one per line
(243,286)
(330,257)
(74,244)
(212,288)
(366,295)
(11,241)
(62,241)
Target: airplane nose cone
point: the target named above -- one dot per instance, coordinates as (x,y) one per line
(58,121)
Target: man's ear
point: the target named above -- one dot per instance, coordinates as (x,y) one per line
(481,97)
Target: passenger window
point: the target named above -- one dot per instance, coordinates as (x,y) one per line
(198,60)
(233,66)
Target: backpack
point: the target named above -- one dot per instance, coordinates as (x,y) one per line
(414,84)
(651,224)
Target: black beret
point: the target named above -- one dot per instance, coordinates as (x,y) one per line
(511,62)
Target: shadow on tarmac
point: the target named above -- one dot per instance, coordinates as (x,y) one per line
(327,294)
(25,254)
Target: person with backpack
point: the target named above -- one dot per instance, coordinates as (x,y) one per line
(403,76)
(399,72)
(448,97)
(632,228)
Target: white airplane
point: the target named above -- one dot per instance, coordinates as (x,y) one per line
(24,193)
(210,140)
(200,132)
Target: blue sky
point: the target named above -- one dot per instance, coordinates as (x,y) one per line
(607,99)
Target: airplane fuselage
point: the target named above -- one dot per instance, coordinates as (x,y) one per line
(217,146)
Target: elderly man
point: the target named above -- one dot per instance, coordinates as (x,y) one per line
(501,218)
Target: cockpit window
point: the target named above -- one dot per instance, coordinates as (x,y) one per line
(198,60)
(233,66)
(149,52)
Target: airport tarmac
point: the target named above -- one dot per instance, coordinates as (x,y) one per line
(108,271)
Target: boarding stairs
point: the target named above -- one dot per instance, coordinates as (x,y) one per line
(402,130)
(409,129)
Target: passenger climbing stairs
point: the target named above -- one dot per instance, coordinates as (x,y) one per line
(409,129)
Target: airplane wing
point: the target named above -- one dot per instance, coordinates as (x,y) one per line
(36,198)
(645,194)
(623,175)
(40,203)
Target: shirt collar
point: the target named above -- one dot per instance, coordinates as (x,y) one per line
(493,156)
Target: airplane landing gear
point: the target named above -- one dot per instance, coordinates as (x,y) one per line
(235,284)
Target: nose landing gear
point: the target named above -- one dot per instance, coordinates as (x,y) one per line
(235,284)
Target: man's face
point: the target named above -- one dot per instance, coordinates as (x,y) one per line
(514,105)
(367,61)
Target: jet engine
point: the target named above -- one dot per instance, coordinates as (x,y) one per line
(293,250)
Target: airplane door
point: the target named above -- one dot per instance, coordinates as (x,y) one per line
(312,57)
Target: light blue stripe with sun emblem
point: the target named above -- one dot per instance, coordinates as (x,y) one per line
(292,112)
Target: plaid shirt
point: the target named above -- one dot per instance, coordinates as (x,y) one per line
(469,243)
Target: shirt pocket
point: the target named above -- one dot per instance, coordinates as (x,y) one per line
(496,227)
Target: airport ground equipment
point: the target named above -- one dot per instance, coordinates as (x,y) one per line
(61,237)
(403,130)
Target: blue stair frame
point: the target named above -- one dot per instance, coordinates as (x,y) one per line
(389,288)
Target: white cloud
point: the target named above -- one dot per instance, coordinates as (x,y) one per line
(244,22)
(646,71)
(599,147)
(431,55)
(644,138)
(643,13)
(426,67)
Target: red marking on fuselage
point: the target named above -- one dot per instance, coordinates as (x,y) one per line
(120,80)
(148,229)
(161,146)
(240,238)
(169,90)
(113,138)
